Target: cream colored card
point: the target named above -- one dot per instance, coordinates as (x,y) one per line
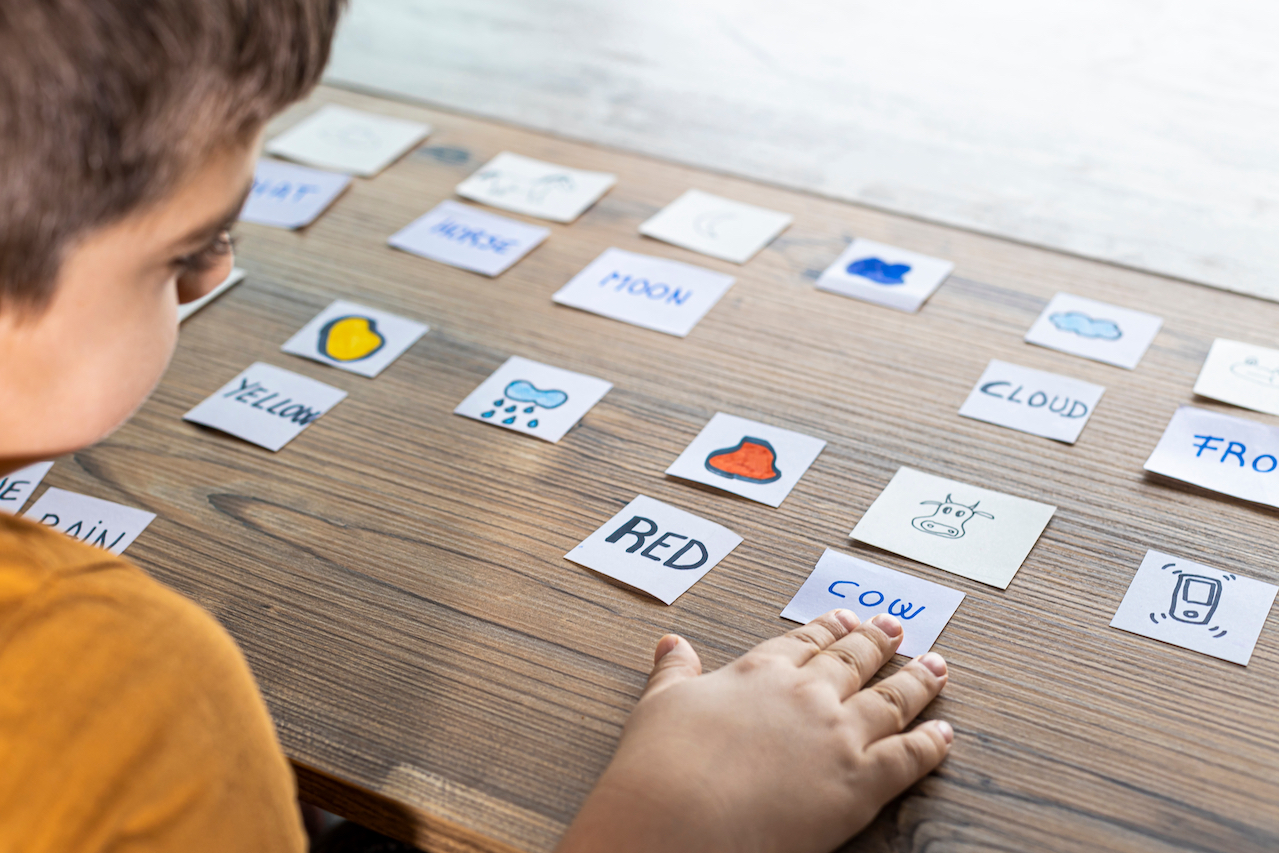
(347,140)
(534,188)
(1241,374)
(715,226)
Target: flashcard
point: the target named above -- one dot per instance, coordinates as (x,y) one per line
(1107,333)
(655,547)
(1230,455)
(1032,401)
(288,196)
(461,236)
(1194,606)
(355,338)
(348,140)
(185,310)
(885,275)
(266,405)
(91,520)
(719,227)
(533,398)
(17,487)
(667,296)
(747,458)
(839,580)
(534,188)
(965,530)
(1241,374)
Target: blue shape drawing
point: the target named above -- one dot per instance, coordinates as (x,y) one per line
(523,391)
(879,271)
(1086,327)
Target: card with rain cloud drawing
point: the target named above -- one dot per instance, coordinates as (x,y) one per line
(1096,330)
(533,398)
(715,226)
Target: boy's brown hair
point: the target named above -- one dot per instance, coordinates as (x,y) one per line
(106,104)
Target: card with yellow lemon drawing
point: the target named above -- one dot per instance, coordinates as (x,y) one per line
(355,337)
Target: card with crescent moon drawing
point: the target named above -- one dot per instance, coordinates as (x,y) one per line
(715,226)
(355,338)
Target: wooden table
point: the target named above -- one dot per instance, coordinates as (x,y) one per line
(437,670)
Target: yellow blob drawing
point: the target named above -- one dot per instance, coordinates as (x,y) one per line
(350,338)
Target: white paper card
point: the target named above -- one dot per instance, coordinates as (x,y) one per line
(91,520)
(533,398)
(1230,455)
(656,548)
(839,580)
(715,226)
(348,140)
(188,308)
(1032,401)
(355,338)
(534,188)
(884,274)
(1096,330)
(461,236)
(747,458)
(965,530)
(1197,607)
(1241,374)
(266,405)
(667,296)
(289,196)
(17,487)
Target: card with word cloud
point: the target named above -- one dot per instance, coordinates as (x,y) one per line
(747,458)
(461,236)
(17,487)
(534,188)
(1197,607)
(666,296)
(885,275)
(93,521)
(1244,375)
(656,548)
(719,227)
(289,196)
(839,580)
(1033,401)
(233,278)
(533,398)
(1085,327)
(266,405)
(1234,456)
(355,338)
(347,140)
(965,530)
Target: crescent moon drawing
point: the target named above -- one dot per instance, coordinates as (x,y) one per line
(708,223)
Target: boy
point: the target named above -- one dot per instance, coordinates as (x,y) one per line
(128,719)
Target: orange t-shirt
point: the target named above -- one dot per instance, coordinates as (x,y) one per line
(129,720)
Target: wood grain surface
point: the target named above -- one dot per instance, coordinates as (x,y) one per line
(396,578)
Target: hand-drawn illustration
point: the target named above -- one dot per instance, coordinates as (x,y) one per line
(1195,599)
(535,190)
(1252,371)
(938,523)
(707,223)
(523,391)
(350,338)
(902,612)
(355,135)
(1086,327)
(879,271)
(751,459)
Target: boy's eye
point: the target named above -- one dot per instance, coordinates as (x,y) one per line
(199,261)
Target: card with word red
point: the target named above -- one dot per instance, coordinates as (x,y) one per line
(17,487)
(347,140)
(289,196)
(715,226)
(461,236)
(885,275)
(266,405)
(355,338)
(1234,456)
(1033,401)
(91,520)
(533,398)
(534,188)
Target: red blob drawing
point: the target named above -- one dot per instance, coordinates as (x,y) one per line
(751,459)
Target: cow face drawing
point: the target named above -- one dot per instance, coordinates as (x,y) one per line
(947,519)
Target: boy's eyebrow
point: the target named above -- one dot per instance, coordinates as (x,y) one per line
(215,225)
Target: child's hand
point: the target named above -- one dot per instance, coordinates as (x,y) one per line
(779,750)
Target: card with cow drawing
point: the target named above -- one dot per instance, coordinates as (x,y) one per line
(462,236)
(266,405)
(107,525)
(715,226)
(355,338)
(535,188)
(885,275)
(1234,456)
(17,487)
(1241,374)
(839,580)
(747,458)
(533,398)
(347,140)
(1033,401)
(965,530)
(1096,330)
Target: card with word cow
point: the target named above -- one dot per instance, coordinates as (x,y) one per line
(534,188)
(17,487)
(965,530)
(93,521)
(656,548)
(886,275)
(1234,456)
(719,227)
(666,296)
(747,458)
(1032,401)
(1197,607)
(1241,374)
(289,196)
(533,398)
(355,338)
(1096,330)
(266,405)
(347,140)
(839,580)
(462,236)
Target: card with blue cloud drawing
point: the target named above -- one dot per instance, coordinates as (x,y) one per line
(885,275)
(533,398)
(1096,330)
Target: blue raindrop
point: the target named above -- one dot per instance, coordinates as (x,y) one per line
(509,420)
(498,402)
(510,408)
(487,414)
(532,423)
(529,410)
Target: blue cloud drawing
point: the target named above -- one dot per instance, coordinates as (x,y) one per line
(523,391)
(1085,326)
(879,271)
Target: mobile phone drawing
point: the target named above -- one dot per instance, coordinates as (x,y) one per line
(1195,599)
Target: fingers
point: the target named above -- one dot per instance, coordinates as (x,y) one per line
(802,644)
(890,705)
(673,661)
(902,760)
(850,662)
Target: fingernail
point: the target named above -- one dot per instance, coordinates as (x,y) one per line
(848,619)
(888,624)
(935,663)
(947,733)
(665,646)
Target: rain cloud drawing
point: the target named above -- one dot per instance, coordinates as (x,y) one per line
(879,271)
(522,391)
(1086,327)
(948,519)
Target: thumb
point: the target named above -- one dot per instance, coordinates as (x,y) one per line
(673,662)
